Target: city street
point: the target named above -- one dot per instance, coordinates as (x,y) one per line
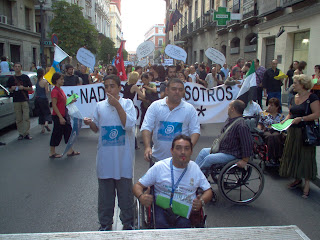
(43,195)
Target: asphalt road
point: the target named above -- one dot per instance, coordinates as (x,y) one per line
(43,195)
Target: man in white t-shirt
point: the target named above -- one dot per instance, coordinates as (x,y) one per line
(193,76)
(253,109)
(177,199)
(167,118)
(115,119)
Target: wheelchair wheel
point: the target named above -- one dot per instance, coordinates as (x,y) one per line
(241,185)
(140,216)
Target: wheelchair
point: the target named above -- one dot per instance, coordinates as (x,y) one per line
(237,185)
(144,217)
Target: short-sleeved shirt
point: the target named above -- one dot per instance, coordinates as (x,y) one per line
(19,95)
(116,150)
(61,97)
(252,109)
(211,81)
(71,80)
(4,66)
(266,119)
(260,72)
(84,77)
(193,77)
(159,176)
(166,125)
(300,110)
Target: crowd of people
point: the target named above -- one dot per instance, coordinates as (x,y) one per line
(170,129)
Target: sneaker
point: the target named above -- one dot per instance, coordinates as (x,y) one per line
(105,228)
(20,137)
(28,137)
(127,227)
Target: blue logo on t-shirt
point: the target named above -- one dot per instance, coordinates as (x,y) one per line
(113,136)
(168,130)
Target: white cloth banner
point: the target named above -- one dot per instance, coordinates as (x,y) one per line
(211,104)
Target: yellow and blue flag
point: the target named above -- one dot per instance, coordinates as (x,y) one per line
(59,55)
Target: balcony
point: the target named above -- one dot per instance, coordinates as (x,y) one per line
(234,50)
(198,24)
(184,31)
(250,48)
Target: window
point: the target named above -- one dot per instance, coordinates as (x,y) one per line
(160,42)
(27,18)
(301,46)
(1,49)
(34,55)
(196,10)
(160,30)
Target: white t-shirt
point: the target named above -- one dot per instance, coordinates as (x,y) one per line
(211,81)
(116,152)
(159,176)
(166,125)
(4,66)
(193,77)
(252,109)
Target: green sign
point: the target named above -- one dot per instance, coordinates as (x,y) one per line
(221,16)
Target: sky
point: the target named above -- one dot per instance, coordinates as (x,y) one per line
(138,16)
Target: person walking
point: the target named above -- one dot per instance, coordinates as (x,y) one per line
(299,161)
(60,118)
(272,87)
(41,101)
(316,76)
(19,85)
(289,81)
(259,73)
(4,65)
(114,119)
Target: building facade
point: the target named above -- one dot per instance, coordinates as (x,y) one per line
(19,40)
(156,34)
(255,36)
(115,22)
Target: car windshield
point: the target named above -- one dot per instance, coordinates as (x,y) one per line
(4,80)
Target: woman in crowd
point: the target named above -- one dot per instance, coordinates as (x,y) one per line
(130,89)
(316,77)
(128,70)
(289,81)
(302,65)
(220,72)
(41,101)
(60,118)
(96,76)
(150,93)
(299,161)
(182,76)
(111,70)
(151,76)
(186,71)
(33,68)
(161,73)
(273,138)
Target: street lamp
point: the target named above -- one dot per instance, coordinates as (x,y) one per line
(43,62)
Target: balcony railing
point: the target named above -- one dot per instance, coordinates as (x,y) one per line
(190,29)
(234,50)
(250,48)
(198,22)
(184,31)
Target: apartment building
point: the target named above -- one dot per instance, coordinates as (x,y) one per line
(156,34)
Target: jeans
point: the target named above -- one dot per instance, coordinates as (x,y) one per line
(21,110)
(106,200)
(205,159)
(161,221)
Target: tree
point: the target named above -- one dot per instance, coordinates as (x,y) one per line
(73,30)
(106,50)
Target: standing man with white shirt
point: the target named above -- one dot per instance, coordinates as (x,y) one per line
(115,119)
(4,65)
(167,118)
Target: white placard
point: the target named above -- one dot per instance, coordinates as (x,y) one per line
(176,52)
(168,62)
(85,57)
(215,56)
(145,49)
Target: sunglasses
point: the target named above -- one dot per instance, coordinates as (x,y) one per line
(110,69)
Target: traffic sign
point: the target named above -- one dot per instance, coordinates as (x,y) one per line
(222,16)
(54,39)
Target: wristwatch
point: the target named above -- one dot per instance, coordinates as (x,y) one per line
(302,119)
(202,202)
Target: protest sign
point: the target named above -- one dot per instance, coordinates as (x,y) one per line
(215,56)
(168,62)
(85,57)
(176,52)
(210,104)
(145,49)
(143,62)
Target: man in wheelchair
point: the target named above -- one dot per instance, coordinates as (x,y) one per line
(235,141)
(175,180)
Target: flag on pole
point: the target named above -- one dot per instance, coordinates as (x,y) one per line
(176,16)
(119,64)
(59,55)
(248,90)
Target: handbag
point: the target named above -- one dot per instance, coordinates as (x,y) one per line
(310,132)
(216,143)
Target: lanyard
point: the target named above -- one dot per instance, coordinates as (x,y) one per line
(174,186)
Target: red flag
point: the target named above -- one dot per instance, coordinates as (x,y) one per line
(120,65)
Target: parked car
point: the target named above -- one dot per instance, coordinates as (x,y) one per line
(7,116)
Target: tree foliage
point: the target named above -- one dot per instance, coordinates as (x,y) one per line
(106,50)
(73,30)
